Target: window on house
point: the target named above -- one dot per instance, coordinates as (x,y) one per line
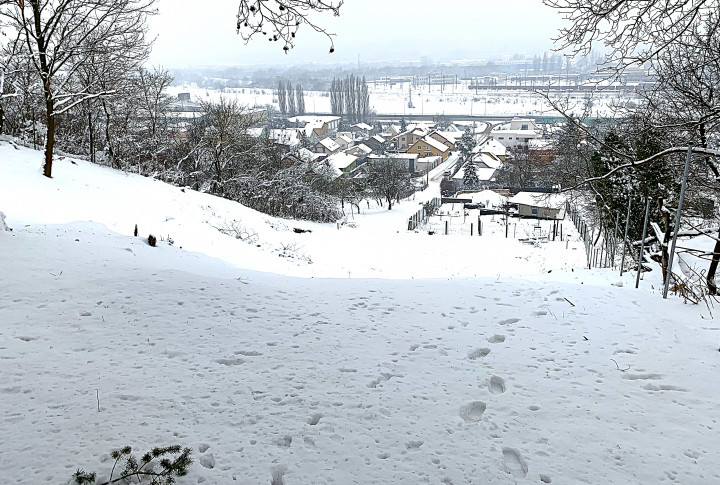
(524,127)
(534,211)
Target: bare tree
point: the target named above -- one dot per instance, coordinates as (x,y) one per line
(280,20)
(635,30)
(389,180)
(58,36)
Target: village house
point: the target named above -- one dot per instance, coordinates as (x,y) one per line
(343,164)
(446,138)
(430,147)
(405,140)
(362,129)
(326,146)
(492,147)
(518,133)
(344,140)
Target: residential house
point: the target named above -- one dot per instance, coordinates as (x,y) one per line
(376,143)
(430,147)
(492,147)
(405,140)
(517,134)
(342,163)
(288,138)
(326,146)
(344,141)
(486,175)
(362,128)
(390,131)
(446,138)
(360,150)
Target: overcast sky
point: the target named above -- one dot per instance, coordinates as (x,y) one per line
(191,34)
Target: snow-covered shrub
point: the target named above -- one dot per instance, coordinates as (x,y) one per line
(3,224)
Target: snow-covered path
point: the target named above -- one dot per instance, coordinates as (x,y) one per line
(463,381)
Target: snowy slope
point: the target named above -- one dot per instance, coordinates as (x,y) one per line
(493,379)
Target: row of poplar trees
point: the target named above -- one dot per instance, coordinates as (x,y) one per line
(291,101)
(350,98)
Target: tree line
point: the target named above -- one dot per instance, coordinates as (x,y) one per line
(350,98)
(291,102)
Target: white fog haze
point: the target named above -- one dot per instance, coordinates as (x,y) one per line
(192,34)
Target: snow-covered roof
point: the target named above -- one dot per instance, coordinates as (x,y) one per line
(378,138)
(395,156)
(537,199)
(432,159)
(488,197)
(307,155)
(329,144)
(487,160)
(484,174)
(287,136)
(363,148)
(312,125)
(435,144)
(540,144)
(363,126)
(312,118)
(492,146)
(345,139)
(340,161)
(451,136)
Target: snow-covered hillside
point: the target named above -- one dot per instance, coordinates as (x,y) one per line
(362,371)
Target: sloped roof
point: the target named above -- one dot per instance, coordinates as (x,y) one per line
(340,161)
(329,144)
(434,143)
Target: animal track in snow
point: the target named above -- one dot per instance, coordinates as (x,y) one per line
(514,463)
(643,377)
(314,419)
(208,461)
(496,385)
(472,412)
(496,339)
(385,376)
(230,362)
(478,353)
(509,321)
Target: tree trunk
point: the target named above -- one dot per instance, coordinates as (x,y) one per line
(92,137)
(712,287)
(50,140)
(666,238)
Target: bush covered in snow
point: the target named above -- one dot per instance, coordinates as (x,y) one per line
(3,224)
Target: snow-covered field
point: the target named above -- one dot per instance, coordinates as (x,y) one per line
(452,100)
(395,357)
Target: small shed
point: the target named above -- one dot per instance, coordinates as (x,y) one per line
(540,205)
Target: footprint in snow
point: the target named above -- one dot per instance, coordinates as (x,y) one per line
(496,385)
(513,463)
(478,353)
(472,412)
(509,321)
(496,339)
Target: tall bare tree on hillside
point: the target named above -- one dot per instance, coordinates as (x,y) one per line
(59,37)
